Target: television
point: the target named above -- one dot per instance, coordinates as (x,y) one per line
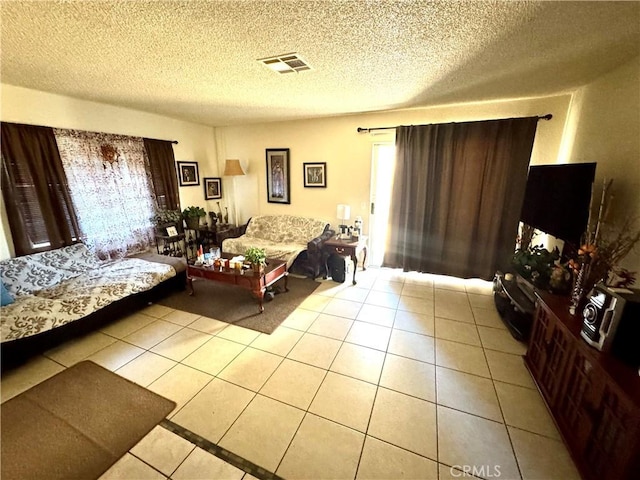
(557,199)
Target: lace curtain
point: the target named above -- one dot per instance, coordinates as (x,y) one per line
(110,184)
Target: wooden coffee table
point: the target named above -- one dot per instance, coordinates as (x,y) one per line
(256,282)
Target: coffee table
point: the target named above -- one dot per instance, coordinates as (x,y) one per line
(256,282)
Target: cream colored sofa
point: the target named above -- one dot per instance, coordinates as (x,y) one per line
(285,237)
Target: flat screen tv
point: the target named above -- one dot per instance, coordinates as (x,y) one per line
(557,198)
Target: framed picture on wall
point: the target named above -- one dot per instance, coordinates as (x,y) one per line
(212,188)
(278,183)
(315,174)
(188,174)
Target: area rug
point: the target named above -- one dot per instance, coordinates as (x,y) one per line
(76,424)
(238,306)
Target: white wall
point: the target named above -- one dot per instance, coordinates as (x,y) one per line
(196,142)
(604,127)
(348,153)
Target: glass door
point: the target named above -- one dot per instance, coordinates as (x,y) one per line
(382,169)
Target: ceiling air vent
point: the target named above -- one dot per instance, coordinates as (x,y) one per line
(287,63)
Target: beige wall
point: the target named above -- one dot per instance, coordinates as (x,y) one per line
(196,142)
(604,127)
(348,153)
(599,122)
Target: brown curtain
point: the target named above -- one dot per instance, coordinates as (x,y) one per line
(457,194)
(163,173)
(34,187)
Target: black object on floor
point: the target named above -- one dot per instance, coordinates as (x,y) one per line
(513,302)
(337,268)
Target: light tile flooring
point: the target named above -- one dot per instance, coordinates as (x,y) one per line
(401,376)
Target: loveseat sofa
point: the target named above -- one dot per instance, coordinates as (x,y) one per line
(53,290)
(296,240)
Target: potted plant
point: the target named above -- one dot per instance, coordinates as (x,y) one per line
(535,264)
(257,257)
(192,216)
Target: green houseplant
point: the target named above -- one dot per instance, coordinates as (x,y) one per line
(257,257)
(192,216)
(536,264)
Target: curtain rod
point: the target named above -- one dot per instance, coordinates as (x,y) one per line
(175,142)
(548,116)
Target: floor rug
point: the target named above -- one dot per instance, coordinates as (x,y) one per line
(238,306)
(76,424)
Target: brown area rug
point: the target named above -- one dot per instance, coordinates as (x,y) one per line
(76,424)
(236,305)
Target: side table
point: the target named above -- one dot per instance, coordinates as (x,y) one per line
(171,245)
(346,248)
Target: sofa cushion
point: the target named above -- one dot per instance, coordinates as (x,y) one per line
(25,275)
(280,251)
(285,228)
(38,271)
(75,258)
(5,296)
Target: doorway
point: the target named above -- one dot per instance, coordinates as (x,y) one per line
(383,160)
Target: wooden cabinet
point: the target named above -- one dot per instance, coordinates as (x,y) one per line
(593,397)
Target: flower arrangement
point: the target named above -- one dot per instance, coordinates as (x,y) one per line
(602,249)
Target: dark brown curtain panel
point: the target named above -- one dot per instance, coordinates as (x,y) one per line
(457,193)
(35,190)
(163,173)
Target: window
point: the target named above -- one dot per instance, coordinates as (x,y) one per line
(110,185)
(34,187)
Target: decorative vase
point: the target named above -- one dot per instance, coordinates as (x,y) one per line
(578,291)
(226,215)
(219,213)
(257,267)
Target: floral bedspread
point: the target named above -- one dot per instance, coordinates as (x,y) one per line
(75,293)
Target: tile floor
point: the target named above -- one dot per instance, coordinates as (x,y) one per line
(401,376)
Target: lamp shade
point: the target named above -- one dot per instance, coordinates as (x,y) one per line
(344,212)
(232,168)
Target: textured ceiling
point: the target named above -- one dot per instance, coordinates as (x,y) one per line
(196,60)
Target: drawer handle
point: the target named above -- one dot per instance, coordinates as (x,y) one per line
(339,250)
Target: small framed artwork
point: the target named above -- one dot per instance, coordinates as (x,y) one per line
(315,174)
(172,231)
(212,188)
(188,174)
(278,184)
